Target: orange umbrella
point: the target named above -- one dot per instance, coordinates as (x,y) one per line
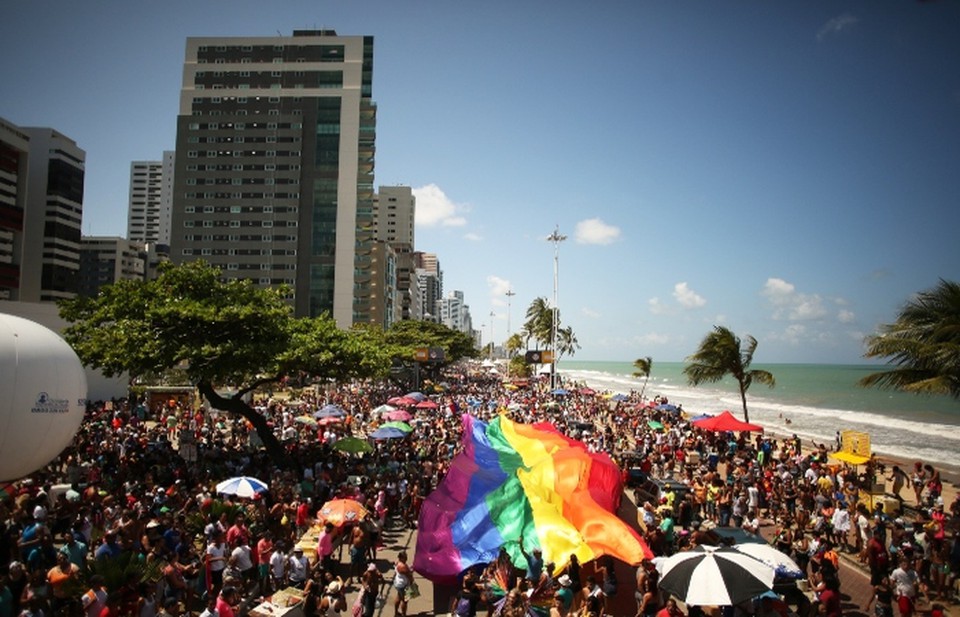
(342,511)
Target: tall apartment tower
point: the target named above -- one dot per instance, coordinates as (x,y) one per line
(14,151)
(274,165)
(52,217)
(151,200)
(394,209)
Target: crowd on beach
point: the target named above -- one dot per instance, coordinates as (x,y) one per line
(126,523)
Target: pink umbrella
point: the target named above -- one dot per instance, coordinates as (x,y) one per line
(328,421)
(398,415)
(428,404)
(402,401)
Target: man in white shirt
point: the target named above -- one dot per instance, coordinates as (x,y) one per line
(905,581)
(298,568)
(278,566)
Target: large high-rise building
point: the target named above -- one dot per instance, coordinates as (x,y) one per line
(49,245)
(394,209)
(14,150)
(104,260)
(274,165)
(151,200)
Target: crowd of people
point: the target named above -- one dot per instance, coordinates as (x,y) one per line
(127,521)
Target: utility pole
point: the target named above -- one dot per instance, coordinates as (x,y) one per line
(556,237)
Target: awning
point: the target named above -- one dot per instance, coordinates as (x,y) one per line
(850,457)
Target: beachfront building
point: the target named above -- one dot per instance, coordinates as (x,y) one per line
(41,209)
(429,278)
(104,260)
(14,150)
(455,313)
(394,211)
(151,200)
(274,165)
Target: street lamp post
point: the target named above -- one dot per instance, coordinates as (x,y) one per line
(510,294)
(492,315)
(556,237)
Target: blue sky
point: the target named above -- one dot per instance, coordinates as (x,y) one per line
(788,169)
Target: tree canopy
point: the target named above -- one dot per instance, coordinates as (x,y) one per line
(721,353)
(923,345)
(220,333)
(643,366)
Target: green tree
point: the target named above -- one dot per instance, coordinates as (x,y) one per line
(567,343)
(220,333)
(721,354)
(407,336)
(923,345)
(643,366)
(513,344)
(539,324)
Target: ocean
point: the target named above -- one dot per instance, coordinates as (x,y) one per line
(818,399)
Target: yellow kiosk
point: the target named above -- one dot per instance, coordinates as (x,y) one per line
(855,450)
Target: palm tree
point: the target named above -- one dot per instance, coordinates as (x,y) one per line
(643,366)
(513,344)
(720,354)
(539,323)
(567,343)
(923,344)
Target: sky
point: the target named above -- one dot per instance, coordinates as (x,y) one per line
(790,170)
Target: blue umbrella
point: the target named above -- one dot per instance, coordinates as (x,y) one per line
(666,407)
(330,411)
(417,396)
(387,432)
(619,397)
(702,416)
(560,392)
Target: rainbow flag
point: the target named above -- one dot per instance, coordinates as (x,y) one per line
(528,480)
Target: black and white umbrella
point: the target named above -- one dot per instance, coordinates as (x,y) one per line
(715,576)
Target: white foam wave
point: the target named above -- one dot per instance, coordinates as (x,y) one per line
(892,436)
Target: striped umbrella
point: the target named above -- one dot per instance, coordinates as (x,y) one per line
(715,576)
(242,486)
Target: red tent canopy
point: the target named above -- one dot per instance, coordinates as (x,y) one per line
(726,422)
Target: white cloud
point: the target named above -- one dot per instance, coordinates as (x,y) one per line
(845,316)
(435,209)
(792,334)
(595,231)
(657,307)
(791,305)
(652,338)
(472,237)
(498,288)
(589,312)
(836,25)
(688,298)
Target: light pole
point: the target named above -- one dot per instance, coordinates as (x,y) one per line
(556,237)
(510,294)
(492,315)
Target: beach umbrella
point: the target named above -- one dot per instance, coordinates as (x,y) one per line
(329,421)
(330,411)
(342,511)
(242,486)
(398,415)
(654,425)
(587,391)
(427,404)
(702,416)
(559,392)
(417,396)
(352,445)
(619,397)
(305,420)
(384,409)
(402,401)
(715,576)
(403,426)
(388,432)
(783,565)
(666,407)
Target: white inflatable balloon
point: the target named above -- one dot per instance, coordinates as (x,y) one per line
(44,392)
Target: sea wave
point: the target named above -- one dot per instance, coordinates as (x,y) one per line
(897,438)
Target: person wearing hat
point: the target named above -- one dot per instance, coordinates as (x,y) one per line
(298,568)
(565,593)
(333,600)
